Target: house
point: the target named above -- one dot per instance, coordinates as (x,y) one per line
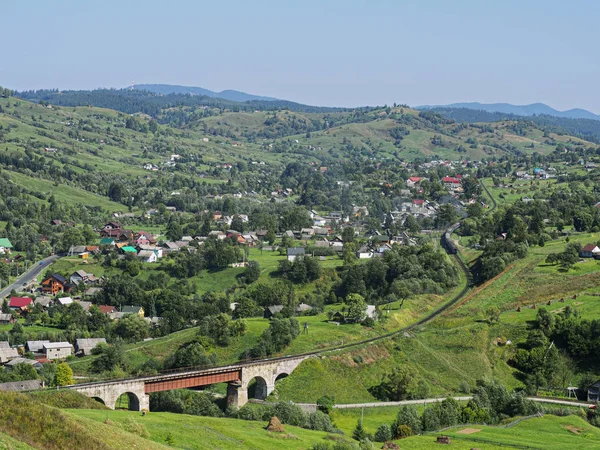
(20,303)
(90,292)
(593,393)
(144,238)
(270,311)
(36,364)
(64,301)
(107,309)
(55,284)
(77,250)
(364,252)
(35,346)
(413,181)
(84,305)
(25,385)
(55,222)
(303,307)
(7,353)
(80,276)
(7,318)
(128,249)
(589,251)
(128,309)
(107,242)
(147,256)
(5,245)
(43,300)
(171,246)
(294,252)
(452,183)
(85,346)
(57,350)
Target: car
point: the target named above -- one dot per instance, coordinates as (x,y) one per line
(24,284)
(41,263)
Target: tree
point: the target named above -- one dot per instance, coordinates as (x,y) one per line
(356,308)
(237,223)
(359,432)
(174,231)
(493,314)
(411,224)
(110,358)
(399,384)
(446,215)
(252,272)
(132,328)
(383,433)
(64,375)
(325,403)
(348,234)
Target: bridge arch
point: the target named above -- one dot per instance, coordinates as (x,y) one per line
(99,400)
(281,376)
(257,388)
(133,401)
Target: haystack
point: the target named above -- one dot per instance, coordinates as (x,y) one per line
(275,425)
(390,446)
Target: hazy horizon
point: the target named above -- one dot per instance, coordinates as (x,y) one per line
(331,54)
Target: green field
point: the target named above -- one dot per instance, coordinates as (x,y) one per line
(192,432)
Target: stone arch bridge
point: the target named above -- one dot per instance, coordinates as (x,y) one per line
(238,376)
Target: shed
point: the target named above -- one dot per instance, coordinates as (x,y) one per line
(85,346)
(13,362)
(35,346)
(294,252)
(270,311)
(25,385)
(58,350)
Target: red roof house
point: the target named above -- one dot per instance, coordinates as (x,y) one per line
(418,202)
(20,303)
(107,309)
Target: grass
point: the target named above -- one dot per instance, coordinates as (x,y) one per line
(42,426)
(548,432)
(66,193)
(193,432)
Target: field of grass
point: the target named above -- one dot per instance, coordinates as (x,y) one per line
(548,432)
(44,427)
(193,432)
(65,193)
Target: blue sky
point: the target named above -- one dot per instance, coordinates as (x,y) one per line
(323,52)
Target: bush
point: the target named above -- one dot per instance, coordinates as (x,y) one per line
(325,404)
(320,421)
(383,433)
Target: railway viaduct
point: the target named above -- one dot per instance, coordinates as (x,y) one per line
(238,376)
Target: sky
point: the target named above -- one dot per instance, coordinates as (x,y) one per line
(318,52)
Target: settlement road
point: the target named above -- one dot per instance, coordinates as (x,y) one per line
(28,276)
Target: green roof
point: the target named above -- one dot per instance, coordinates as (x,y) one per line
(129,249)
(107,241)
(4,242)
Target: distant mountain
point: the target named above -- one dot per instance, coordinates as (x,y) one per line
(520,110)
(234,96)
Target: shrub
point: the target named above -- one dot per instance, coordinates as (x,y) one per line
(326,404)
(383,433)
(404,431)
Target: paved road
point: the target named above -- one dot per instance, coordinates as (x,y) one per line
(463,399)
(33,272)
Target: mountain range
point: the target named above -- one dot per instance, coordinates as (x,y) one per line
(520,110)
(229,94)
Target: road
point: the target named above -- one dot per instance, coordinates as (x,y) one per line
(33,272)
(460,399)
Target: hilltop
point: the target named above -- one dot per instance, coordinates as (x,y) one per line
(229,94)
(520,110)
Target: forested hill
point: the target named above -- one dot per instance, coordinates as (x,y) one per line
(151,103)
(232,95)
(588,129)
